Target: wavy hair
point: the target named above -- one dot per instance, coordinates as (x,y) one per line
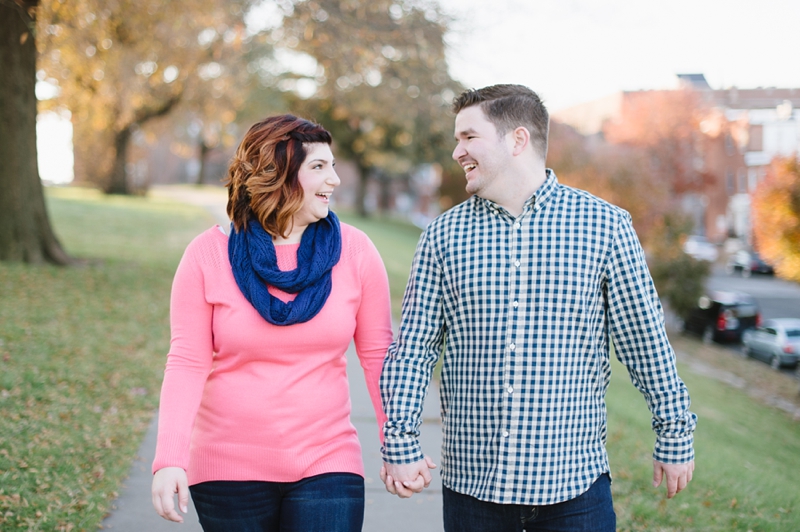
(262,177)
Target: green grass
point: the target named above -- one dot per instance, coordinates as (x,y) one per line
(82,351)
(747,459)
(396,242)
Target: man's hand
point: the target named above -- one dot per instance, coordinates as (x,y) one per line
(166,483)
(678,476)
(404,480)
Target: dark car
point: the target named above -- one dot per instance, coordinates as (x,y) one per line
(748,262)
(776,341)
(722,316)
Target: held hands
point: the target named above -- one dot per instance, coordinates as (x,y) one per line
(404,480)
(677,476)
(166,483)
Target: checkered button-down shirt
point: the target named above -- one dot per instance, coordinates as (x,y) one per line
(523,311)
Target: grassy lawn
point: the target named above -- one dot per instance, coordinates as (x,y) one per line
(747,453)
(82,351)
(396,243)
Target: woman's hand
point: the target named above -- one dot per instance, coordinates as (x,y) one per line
(166,483)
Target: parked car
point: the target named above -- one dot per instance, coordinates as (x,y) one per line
(722,316)
(748,262)
(701,249)
(776,341)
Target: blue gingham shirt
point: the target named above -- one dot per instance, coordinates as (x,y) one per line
(522,310)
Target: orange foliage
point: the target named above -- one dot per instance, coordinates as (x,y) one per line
(617,174)
(776,217)
(667,126)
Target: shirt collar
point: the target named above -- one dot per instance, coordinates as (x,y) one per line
(545,192)
(539,198)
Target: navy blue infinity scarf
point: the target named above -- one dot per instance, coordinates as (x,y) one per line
(255,265)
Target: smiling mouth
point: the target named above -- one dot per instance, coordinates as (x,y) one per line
(324,195)
(470,167)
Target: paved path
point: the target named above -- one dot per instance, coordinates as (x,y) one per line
(133,511)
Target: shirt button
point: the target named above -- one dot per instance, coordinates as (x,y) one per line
(516,304)
(505,434)
(512,346)
(516,263)
(510,389)
(517,225)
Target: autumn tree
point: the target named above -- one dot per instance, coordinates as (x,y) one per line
(119,65)
(381,83)
(25,231)
(776,217)
(666,126)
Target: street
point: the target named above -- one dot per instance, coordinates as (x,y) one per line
(776,298)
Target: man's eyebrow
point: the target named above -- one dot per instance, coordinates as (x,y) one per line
(467,131)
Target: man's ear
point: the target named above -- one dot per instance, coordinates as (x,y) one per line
(522,139)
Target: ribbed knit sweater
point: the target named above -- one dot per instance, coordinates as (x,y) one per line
(243,399)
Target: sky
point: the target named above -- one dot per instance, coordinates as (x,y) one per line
(573,51)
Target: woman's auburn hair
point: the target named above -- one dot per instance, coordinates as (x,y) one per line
(262,177)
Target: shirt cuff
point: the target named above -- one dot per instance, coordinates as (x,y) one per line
(674,450)
(401,450)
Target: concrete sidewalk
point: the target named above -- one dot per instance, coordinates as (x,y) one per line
(133,510)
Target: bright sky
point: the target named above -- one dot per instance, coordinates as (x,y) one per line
(573,51)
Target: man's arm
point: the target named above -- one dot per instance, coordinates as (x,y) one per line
(407,373)
(636,324)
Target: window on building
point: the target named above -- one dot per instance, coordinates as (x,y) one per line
(756,142)
(729,184)
(742,180)
(729,147)
(752,179)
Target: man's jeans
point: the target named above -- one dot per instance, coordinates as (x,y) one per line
(590,512)
(332,502)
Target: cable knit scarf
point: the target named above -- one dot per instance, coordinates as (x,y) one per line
(255,265)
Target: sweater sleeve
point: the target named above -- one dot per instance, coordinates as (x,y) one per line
(188,362)
(373,324)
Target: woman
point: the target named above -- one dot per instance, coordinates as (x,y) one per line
(255,407)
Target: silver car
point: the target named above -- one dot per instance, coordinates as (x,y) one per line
(776,341)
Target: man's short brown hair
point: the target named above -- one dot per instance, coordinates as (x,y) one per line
(509,107)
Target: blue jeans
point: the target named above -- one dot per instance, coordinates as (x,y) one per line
(589,512)
(331,502)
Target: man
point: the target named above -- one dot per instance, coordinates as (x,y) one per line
(522,288)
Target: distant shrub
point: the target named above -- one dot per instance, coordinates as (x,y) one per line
(679,278)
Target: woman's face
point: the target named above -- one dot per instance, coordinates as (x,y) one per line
(318,179)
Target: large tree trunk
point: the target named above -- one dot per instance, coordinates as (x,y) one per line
(118,182)
(25,232)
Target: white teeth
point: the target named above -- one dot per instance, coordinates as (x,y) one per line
(470,167)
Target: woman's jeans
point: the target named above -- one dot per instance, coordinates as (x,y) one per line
(592,511)
(332,502)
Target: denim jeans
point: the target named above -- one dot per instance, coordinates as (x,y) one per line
(589,512)
(332,502)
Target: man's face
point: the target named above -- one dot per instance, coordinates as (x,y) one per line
(481,152)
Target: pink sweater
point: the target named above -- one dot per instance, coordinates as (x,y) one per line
(243,399)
